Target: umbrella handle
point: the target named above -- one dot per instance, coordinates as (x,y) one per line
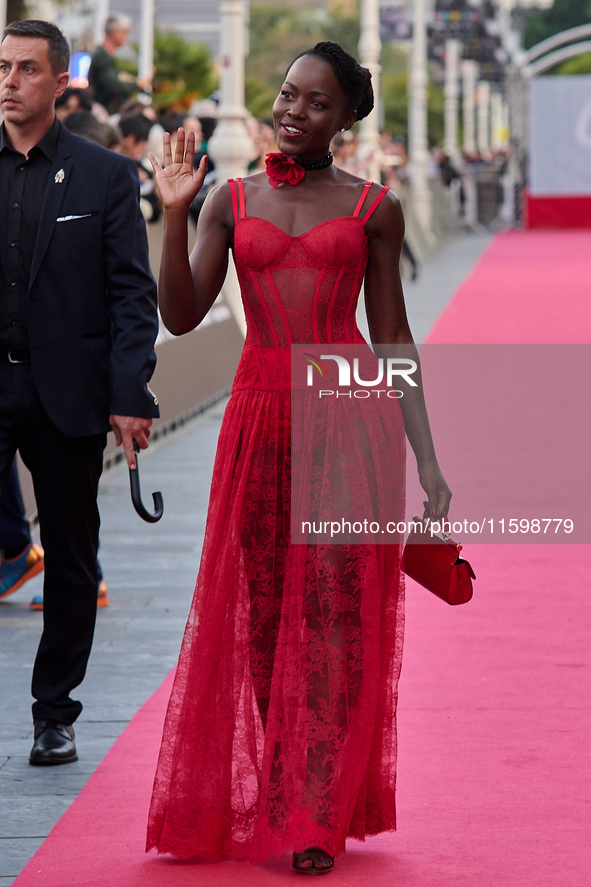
(136,495)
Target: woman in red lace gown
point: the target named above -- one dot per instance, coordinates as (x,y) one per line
(280,733)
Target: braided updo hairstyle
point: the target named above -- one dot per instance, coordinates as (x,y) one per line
(354,80)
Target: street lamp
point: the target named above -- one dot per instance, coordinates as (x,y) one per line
(483,98)
(101,14)
(418,144)
(231,146)
(146,59)
(370,49)
(469,73)
(496,121)
(452,58)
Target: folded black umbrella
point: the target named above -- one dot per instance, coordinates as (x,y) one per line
(136,495)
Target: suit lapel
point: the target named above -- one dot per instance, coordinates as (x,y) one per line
(57,184)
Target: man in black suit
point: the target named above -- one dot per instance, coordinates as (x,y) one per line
(77,329)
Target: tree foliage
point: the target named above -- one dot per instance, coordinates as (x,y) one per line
(183,68)
(562,15)
(18,10)
(183,71)
(394,88)
(395,93)
(580,64)
(259,97)
(280,31)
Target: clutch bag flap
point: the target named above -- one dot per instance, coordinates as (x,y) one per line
(435,564)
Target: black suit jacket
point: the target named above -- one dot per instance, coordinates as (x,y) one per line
(92,298)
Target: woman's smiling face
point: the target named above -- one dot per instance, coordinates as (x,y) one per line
(310,108)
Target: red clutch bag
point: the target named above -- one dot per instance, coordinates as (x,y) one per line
(435,564)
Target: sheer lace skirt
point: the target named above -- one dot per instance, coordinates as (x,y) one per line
(280,732)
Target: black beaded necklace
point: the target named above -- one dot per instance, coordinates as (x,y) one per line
(312,165)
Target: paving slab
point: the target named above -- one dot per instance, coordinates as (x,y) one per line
(150,571)
(15,853)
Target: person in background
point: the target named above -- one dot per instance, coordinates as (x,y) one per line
(170,122)
(110,86)
(135,107)
(22,559)
(263,137)
(88,127)
(208,125)
(73,99)
(447,169)
(85,124)
(135,129)
(102,598)
(344,148)
(194,124)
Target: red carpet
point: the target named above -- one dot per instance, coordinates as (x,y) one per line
(494,707)
(529,286)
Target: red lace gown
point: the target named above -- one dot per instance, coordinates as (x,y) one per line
(280,732)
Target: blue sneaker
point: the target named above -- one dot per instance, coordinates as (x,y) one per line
(102,599)
(15,571)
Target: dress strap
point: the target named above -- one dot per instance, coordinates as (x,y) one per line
(361,200)
(238,203)
(375,204)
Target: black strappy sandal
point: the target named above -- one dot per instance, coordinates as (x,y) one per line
(298,858)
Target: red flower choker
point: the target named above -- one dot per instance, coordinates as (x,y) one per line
(281,168)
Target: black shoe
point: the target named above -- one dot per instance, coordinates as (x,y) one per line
(54,744)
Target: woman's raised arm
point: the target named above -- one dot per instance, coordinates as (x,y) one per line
(388,326)
(187,288)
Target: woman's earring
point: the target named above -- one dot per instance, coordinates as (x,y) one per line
(343,129)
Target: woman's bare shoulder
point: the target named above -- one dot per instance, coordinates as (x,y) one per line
(356,182)
(257,180)
(218,204)
(219,194)
(387,221)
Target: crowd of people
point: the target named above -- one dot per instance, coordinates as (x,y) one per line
(136,129)
(108,114)
(115,112)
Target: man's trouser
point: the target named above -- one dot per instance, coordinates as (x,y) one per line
(65,472)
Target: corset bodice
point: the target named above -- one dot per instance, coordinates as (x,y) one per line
(297,290)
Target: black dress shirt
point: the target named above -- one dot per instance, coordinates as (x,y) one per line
(22,189)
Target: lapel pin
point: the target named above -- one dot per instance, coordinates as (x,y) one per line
(59,177)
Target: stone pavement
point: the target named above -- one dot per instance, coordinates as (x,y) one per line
(150,570)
